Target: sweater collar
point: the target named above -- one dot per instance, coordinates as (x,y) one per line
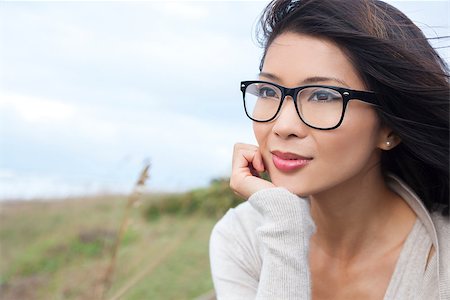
(422,213)
(416,204)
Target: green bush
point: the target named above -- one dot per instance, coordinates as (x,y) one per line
(212,201)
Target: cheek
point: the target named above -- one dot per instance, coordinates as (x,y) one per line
(338,150)
(353,143)
(261,132)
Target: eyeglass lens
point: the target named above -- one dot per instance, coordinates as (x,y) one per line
(318,106)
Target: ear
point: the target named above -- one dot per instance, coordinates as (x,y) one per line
(388,139)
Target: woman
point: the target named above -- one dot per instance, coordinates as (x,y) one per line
(351,116)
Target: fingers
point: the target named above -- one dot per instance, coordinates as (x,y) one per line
(247,164)
(248,159)
(243,155)
(258,162)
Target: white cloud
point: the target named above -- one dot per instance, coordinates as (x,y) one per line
(36,109)
(56,117)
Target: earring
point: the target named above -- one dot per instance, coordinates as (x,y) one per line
(388,143)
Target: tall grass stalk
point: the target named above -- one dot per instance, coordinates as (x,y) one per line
(132,198)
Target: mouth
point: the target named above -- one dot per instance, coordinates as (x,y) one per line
(288,162)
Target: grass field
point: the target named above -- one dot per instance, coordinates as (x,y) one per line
(61,250)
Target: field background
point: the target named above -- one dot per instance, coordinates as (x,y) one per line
(61,249)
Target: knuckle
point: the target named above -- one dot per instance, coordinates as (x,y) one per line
(238,146)
(242,146)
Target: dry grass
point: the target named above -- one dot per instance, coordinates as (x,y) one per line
(132,199)
(51,250)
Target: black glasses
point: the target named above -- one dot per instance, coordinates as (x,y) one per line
(318,106)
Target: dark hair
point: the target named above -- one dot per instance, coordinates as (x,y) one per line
(395,60)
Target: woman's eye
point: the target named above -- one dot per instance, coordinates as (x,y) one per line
(324,96)
(267,92)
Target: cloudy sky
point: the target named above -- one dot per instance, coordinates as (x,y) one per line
(91,90)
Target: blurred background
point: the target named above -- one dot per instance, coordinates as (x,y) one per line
(91,89)
(92,92)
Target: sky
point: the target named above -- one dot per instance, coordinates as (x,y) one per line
(90,91)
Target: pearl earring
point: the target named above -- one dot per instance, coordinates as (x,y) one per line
(388,143)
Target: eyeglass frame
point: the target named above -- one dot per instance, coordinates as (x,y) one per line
(347,95)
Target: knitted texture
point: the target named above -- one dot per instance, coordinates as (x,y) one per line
(286,232)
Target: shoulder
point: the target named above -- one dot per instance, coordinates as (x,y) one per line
(442,225)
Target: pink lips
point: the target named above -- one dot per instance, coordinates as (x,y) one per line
(287,162)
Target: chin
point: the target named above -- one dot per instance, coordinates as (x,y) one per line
(295,184)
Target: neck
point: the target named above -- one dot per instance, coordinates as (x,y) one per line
(359,214)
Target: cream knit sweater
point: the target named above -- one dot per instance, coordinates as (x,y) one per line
(259,250)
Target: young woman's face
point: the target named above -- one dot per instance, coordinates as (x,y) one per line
(302,159)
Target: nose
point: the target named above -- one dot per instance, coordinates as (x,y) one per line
(288,123)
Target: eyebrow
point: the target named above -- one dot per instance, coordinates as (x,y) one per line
(309,80)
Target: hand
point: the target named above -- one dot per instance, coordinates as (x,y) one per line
(246,167)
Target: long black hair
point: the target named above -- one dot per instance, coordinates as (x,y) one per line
(396,60)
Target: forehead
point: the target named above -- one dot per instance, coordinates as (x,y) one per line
(294,57)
